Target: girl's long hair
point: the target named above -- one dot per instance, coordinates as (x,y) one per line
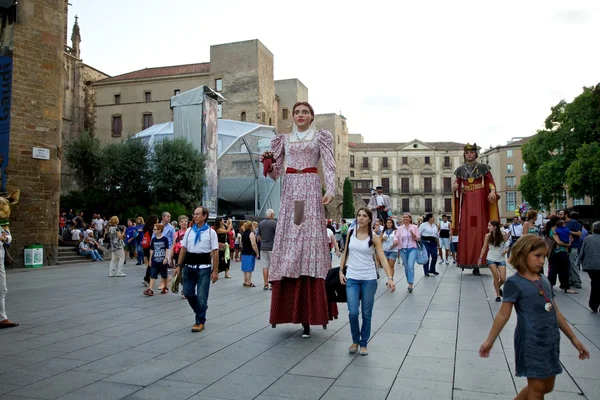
(150,221)
(549,225)
(385,227)
(496,237)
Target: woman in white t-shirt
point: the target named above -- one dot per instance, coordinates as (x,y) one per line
(496,247)
(429,238)
(390,249)
(359,274)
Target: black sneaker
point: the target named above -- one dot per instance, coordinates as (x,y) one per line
(498,299)
(306,332)
(476,271)
(434,273)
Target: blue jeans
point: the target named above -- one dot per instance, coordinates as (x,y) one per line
(409,256)
(360,292)
(140,252)
(196,284)
(92,253)
(432,252)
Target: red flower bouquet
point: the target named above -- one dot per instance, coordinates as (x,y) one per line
(267,158)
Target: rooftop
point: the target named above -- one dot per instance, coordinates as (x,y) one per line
(157,72)
(442,146)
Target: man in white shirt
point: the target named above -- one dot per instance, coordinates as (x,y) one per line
(199,256)
(444,239)
(98,224)
(515,231)
(380,203)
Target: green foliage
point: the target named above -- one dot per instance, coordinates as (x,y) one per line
(121,179)
(348,200)
(178,172)
(565,154)
(175,208)
(583,175)
(83,157)
(126,171)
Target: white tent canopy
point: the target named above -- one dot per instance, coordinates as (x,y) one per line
(242,187)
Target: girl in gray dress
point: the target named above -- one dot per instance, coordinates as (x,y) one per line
(537,338)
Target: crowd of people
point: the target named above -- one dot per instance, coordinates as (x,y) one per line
(295,252)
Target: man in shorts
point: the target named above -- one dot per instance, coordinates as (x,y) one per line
(454,246)
(266,236)
(444,239)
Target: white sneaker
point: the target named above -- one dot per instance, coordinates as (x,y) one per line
(447,262)
(121,274)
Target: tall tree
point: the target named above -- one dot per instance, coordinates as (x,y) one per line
(178,172)
(83,156)
(348,200)
(126,171)
(565,153)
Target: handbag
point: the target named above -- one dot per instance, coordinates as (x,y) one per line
(8,260)
(336,292)
(422,256)
(551,244)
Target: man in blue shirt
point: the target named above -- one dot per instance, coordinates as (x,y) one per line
(575,228)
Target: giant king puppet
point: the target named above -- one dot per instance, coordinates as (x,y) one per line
(474,204)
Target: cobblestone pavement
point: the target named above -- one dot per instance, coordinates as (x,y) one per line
(85,336)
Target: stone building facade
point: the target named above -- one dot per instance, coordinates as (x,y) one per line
(36,121)
(416,175)
(336,124)
(79,113)
(289,92)
(242,72)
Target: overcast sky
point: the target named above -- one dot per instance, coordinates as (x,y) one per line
(397,70)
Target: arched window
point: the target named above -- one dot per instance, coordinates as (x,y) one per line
(243,116)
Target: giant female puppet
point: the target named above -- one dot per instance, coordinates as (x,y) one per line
(474,204)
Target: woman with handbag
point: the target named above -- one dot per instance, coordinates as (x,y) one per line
(406,238)
(224,251)
(429,237)
(359,274)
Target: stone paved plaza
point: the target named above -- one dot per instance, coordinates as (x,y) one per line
(84,336)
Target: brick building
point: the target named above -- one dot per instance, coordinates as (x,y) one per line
(416,175)
(37,49)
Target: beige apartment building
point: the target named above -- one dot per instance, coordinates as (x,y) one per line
(242,72)
(416,175)
(508,168)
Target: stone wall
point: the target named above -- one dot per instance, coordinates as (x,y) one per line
(289,91)
(246,69)
(237,65)
(336,124)
(36,121)
(266,86)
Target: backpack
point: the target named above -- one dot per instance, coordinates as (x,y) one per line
(146,241)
